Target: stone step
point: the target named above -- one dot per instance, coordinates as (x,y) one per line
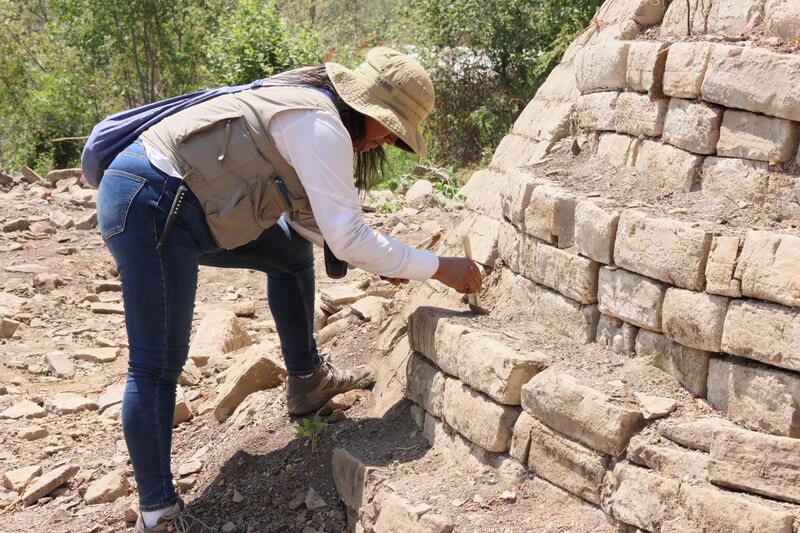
(566,463)
(755,462)
(260,368)
(478,418)
(653,502)
(580,412)
(219,332)
(480,360)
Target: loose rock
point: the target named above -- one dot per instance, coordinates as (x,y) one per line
(112,396)
(338,296)
(47,282)
(253,374)
(419,194)
(131,513)
(107,286)
(107,309)
(58,365)
(55,176)
(7,327)
(30,176)
(32,433)
(190,467)
(370,309)
(297,501)
(186,483)
(65,403)
(18,479)
(86,222)
(49,482)
(220,332)
(314,501)
(97,355)
(183,409)
(655,407)
(23,409)
(19,224)
(106,489)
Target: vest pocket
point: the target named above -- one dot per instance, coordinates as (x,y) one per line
(239,214)
(214,149)
(230,216)
(271,202)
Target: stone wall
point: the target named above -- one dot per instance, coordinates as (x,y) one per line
(708,306)
(487,403)
(717,310)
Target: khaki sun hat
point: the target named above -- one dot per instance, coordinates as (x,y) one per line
(393,89)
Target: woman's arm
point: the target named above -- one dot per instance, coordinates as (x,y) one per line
(319,148)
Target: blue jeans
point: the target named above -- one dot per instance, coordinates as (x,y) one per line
(158,292)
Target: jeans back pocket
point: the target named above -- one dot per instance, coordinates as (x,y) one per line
(114,198)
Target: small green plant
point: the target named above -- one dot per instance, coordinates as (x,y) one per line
(449,190)
(444,181)
(404,181)
(310,429)
(397,172)
(390,207)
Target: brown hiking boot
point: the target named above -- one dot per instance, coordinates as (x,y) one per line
(306,395)
(174,521)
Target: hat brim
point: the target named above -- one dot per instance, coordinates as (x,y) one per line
(360,97)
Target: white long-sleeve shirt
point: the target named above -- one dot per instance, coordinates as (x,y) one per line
(319,148)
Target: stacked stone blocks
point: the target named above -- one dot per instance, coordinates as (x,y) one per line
(717,312)
(670,111)
(466,380)
(588,443)
(662,288)
(683,107)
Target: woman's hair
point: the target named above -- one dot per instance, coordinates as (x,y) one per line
(369,165)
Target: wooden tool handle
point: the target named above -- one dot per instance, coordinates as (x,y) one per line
(467,248)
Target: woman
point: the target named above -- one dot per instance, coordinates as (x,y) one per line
(253,178)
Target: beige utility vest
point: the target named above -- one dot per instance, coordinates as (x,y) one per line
(229,161)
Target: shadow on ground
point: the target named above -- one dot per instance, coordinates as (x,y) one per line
(255,491)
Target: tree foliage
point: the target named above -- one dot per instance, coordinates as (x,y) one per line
(487,60)
(254,41)
(346,27)
(141,50)
(65,64)
(41,93)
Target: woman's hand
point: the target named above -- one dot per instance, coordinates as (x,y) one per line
(459,273)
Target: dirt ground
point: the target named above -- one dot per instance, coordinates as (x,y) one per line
(252,466)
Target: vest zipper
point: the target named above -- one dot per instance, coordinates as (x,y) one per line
(227,138)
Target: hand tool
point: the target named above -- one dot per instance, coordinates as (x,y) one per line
(472,298)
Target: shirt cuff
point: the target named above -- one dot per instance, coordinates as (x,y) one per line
(422,265)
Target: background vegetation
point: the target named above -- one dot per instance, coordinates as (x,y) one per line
(65,64)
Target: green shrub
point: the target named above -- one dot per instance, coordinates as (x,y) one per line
(42,94)
(255,42)
(65,64)
(487,59)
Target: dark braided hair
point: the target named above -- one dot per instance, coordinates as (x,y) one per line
(369,165)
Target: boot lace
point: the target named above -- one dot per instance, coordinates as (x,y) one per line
(186,523)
